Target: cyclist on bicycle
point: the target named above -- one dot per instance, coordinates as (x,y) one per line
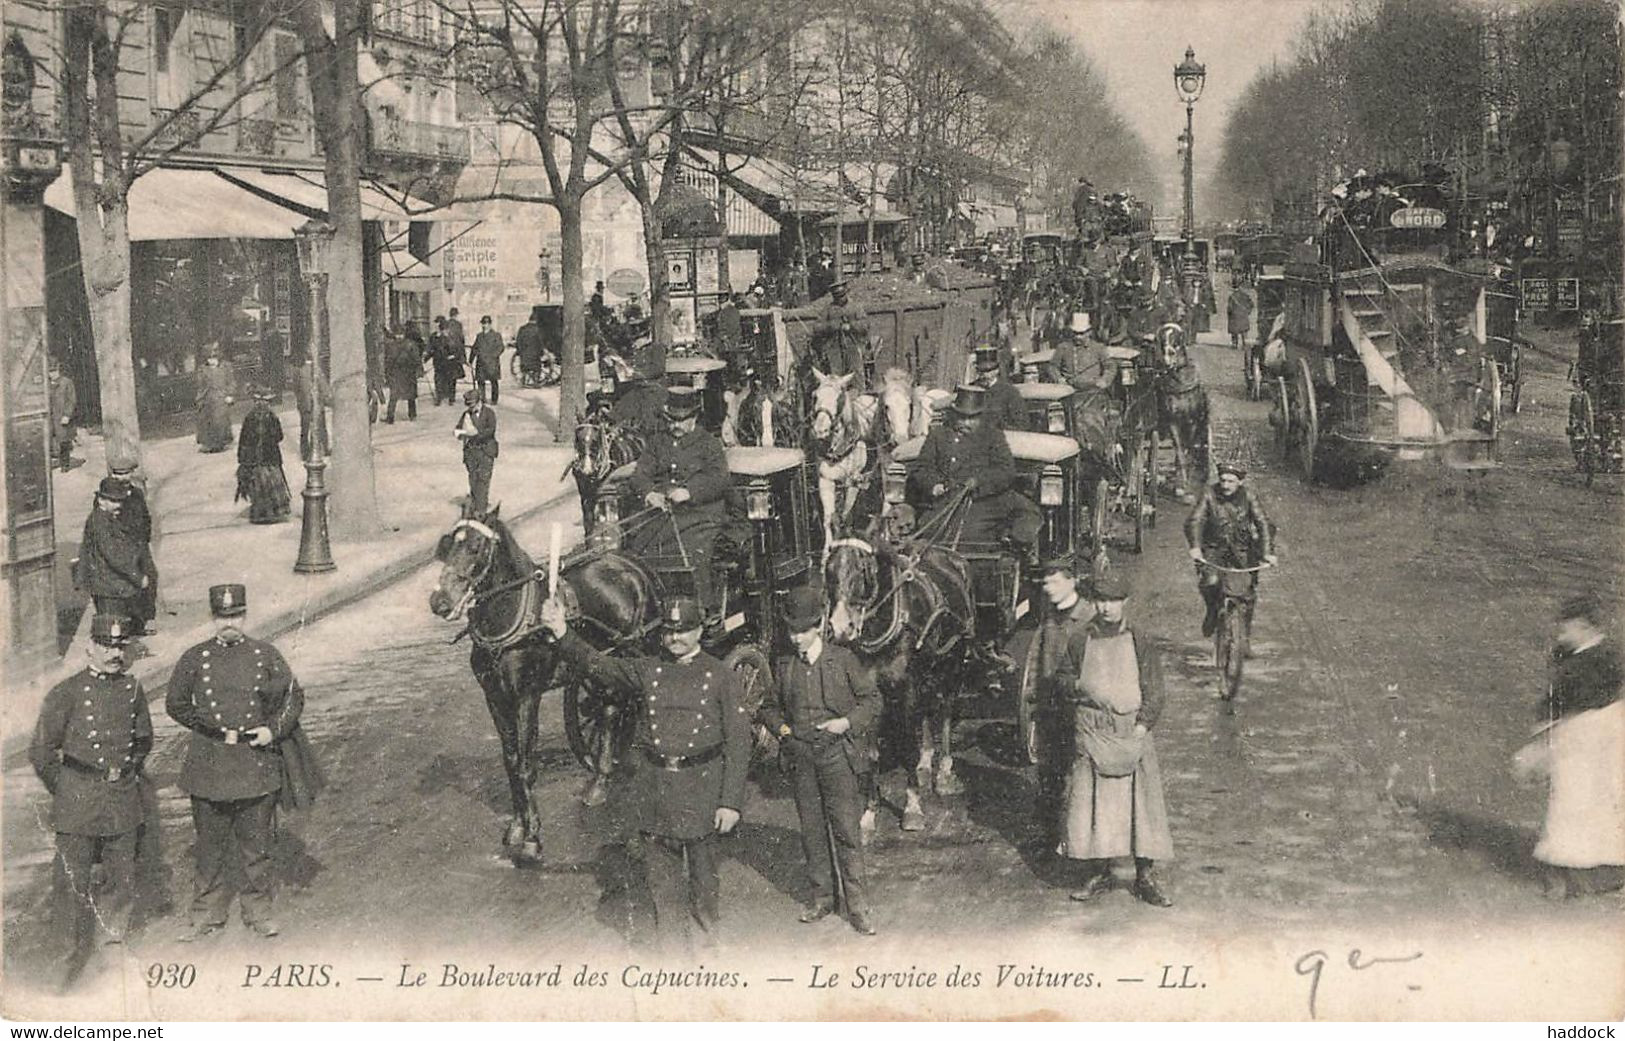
(1229,528)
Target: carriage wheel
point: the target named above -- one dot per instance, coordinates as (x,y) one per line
(585,720)
(1307,421)
(755,676)
(1152,444)
(1281,417)
(1027,701)
(1494,405)
(1099,511)
(1137,494)
(1515,375)
(1583,435)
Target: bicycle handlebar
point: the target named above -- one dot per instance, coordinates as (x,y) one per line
(1233,570)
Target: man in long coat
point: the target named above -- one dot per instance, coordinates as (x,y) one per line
(216,393)
(135,516)
(690,754)
(112,563)
(93,735)
(1005,408)
(528,345)
(486,356)
(839,342)
(825,715)
(1114,801)
(684,470)
(242,703)
(1239,316)
(1057,644)
(260,478)
(477,430)
(403,364)
(446,359)
(64,401)
(968,453)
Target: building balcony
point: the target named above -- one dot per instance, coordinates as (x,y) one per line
(408,139)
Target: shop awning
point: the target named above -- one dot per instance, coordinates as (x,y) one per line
(189,204)
(307,190)
(773,184)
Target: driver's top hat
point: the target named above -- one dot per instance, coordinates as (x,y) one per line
(682,402)
(969,400)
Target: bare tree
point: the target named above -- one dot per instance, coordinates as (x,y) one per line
(95,35)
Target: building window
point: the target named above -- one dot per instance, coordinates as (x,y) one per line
(287,78)
(171,61)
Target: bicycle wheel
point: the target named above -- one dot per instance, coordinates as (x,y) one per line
(1232,648)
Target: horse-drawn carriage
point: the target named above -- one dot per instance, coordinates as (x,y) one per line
(1596,426)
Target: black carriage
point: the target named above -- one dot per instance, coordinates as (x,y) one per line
(1268,275)
(1596,426)
(769,544)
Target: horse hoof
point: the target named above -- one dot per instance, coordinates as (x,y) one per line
(513,835)
(594,794)
(949,784)
(913,820)
(530,852)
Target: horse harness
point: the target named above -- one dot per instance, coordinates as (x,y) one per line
(907,575)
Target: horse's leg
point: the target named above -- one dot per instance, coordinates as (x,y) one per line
(604,756)
(525,727)
(501,705)
(826,499)
(946,782)
(1176,435)
(918,751)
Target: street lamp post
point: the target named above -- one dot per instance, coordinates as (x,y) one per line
(314,239)
(1189,78)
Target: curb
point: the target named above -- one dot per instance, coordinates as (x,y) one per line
(14,751)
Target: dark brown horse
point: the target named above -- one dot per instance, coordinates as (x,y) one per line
(908,613)
(602,446)
(613,603)
(1182,405)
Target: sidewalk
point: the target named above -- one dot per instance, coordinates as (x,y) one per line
(202,538)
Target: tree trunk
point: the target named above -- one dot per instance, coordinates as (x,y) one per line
(572,387)
(335,93)
(102,218)
(654,255)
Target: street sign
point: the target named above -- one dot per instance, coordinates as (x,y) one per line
(1566,294)
(1537,294)
(1417,217)
(624,281)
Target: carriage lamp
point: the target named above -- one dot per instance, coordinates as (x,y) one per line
(759,500)
(1127,376)
(1029,372)
(1055,418)
(1051,486)
(896,489)
(606,531)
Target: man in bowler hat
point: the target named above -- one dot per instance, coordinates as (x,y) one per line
(477,430)
(827,708)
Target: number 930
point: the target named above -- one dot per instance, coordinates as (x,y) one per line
(172,976)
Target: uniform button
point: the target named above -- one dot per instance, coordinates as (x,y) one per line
(205,654)
(696,730)
(691,744)
(87,691)
(87,703)
(654,726)
(217,715)
(93,733)
(702,701)
(89,718)
(657,742)
(96,745)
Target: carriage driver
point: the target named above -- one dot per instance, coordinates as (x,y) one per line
(1229,528)
(683,470)
(1005,408)
(690,755)
(968,454)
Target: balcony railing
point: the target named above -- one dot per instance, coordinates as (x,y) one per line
(406,137)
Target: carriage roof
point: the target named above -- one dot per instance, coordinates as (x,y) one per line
(1025,446)
(1036,357)
(1044,391)
(762,462)
(692,366)
(1119,353)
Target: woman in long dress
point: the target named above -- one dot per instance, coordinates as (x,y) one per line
(216,393)
(259,463)
(1581,749)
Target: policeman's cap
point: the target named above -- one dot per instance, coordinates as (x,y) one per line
(110,630)
(113,490)
(121,461)
(681,615)
(1233,468)
(470,396)
(228,600)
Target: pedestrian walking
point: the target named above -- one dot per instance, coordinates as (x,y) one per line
(1059,646)
(260,479)
(242,704)
(486,356)
(825,715)
(1239,316)
(1114,801)
(216,393)
(477,430)
(403,364)
(1580,748)
(113,565)
(93,735)
(64,401)
(528,345)
(446,359)
(455,334)
(689,755)
(135,517)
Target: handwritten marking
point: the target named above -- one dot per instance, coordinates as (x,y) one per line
(1313,964)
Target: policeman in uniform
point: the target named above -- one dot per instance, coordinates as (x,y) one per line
(827,709)
(683,469)
(1005,408)
(690,754)
(93,734)
(967,453)
(240,700)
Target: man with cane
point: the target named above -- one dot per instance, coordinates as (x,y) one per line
(827,708)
